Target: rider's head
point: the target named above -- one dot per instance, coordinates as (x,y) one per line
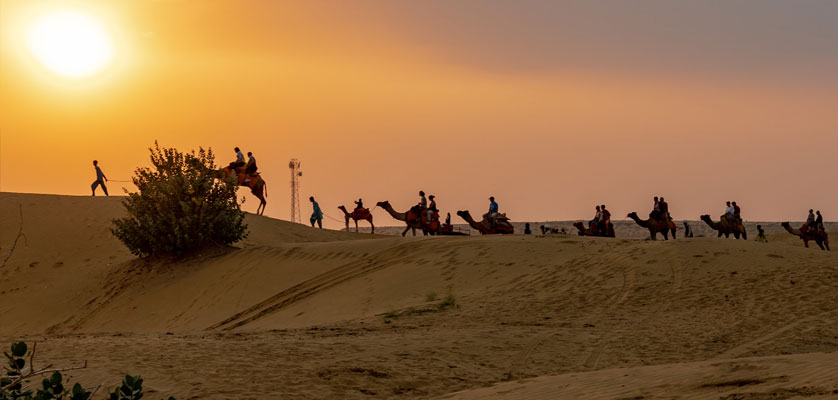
(95,162)
(597,207)
(249,153)
(603,206)
(810,210)
(431,197)
(728,203)
(236,150)
(492,198)
(734,203)
(421,193)
(656,198)
(311,199)
(818,212)
(661,198)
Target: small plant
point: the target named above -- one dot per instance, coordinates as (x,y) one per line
(18,372)
(448,302)
(430,297)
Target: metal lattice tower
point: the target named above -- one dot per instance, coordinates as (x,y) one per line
(294,166)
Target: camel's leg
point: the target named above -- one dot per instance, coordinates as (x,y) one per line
(372,227)
(347,225)
(356,226)
(744,235)
(665,234)
(652,234)
(820,244)
(806,243)
(405,231)
(673,234)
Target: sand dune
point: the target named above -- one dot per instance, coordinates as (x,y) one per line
(303,313)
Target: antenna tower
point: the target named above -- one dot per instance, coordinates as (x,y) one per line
(294,166)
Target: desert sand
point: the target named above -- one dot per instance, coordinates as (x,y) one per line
(294,312)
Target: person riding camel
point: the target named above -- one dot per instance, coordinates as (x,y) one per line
(664,210)
(810,220)
(656,209)
(819,222)
(493,212)
(737,213)
(359,205)
(431,208)
(728,215)
(239,160)
(250,168)
(605,219)
(597,217)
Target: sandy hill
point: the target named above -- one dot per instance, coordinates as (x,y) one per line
(303,313)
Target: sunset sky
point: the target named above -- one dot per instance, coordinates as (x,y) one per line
(550,106)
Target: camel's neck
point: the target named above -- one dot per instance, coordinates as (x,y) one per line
(791,230)
(395,214)
(474,224)
(712,224)
(640,222)
(342,208)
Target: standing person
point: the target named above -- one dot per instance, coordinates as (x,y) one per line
(100,179)
(761,235)
(448,219)
(688,231)
(527,230)
(317,214)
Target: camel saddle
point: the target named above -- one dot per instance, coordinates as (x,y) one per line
(360,213)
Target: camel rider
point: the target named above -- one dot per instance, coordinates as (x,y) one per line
(239,160)
(431,208)
(819,222)
(359,204)
(316,214)
(810,220)
(664,210)
(250,168)
(493,211)
(597,217)
(423,202)
(656,209)
(605,219)
(728,215)
(737,213)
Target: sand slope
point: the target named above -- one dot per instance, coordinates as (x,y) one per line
(303,313)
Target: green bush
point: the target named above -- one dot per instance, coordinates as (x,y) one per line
(181,206)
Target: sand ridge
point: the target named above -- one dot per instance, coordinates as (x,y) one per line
(304,313)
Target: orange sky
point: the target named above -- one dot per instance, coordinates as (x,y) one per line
(551,107)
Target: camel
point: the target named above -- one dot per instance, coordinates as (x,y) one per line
(257,185)
(412,223)
(499,228)
(821,238)
(655,226)
(357,215)
(725,228)
(594,230)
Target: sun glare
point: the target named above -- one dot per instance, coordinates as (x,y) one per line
(70,43)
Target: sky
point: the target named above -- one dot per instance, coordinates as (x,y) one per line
(550,106)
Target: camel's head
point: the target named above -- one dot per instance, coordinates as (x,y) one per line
(705,218)
(785,225)
(342,208)
(464,214)
(579,226)
(383,204)
(632,215)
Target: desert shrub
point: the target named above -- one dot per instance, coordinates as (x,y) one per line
(16,375)
(181,206)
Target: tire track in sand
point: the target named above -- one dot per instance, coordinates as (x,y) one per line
(321,282)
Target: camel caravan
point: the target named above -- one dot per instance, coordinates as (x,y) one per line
(424,217)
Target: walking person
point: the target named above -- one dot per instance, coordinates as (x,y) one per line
(100,179)
(317,214)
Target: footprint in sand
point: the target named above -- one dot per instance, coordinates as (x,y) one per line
(58,264)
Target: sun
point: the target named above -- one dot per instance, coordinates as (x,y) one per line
(70,43)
